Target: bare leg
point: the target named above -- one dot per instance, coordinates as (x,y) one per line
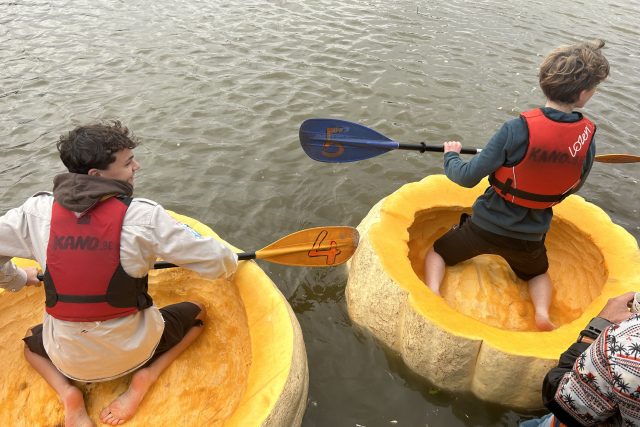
(434,267)
(540,290)
(124,407)
(75,413)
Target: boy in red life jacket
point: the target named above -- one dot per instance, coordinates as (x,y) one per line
(96,244)
(533,162)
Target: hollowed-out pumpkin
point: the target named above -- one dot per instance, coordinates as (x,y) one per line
(248,368)
(481,337)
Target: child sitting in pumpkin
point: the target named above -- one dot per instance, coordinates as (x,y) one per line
(533,162)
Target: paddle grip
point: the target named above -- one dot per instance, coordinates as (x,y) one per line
(470,150)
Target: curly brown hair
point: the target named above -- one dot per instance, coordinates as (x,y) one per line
(94,146)
(569,70)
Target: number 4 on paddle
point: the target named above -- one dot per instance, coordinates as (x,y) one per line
(313,247)
(330,253)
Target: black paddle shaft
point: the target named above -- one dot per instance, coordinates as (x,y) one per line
(241,257)
(422,147)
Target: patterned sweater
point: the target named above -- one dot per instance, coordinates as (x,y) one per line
(598,385)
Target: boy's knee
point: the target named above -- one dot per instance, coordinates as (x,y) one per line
(203,311)
(25,348)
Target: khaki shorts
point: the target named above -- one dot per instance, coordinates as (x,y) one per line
(466,240)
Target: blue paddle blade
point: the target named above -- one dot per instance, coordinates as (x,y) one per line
(341,141)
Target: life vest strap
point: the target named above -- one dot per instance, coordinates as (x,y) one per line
(81,298)
(506,189)
(125,199)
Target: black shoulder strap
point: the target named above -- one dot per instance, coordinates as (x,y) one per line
(125,199)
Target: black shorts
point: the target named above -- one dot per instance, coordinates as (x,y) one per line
(178,320)
(526,258)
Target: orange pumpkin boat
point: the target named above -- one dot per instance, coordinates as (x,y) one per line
(481,336)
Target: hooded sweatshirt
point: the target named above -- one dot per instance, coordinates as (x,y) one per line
(100,351)
(79,193)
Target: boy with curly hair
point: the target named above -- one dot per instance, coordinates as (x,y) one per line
(97,243)
(533,163)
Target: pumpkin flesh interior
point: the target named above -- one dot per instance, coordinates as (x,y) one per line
(486,289)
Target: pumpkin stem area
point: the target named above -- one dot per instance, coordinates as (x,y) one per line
(486,289)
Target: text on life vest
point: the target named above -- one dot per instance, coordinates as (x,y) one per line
(577,146)
(87,243)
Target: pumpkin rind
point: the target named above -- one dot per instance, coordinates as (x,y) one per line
(459,352)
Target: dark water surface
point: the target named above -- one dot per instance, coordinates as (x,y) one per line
(217,90)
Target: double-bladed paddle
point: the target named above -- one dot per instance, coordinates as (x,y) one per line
(341,141)
(311,247)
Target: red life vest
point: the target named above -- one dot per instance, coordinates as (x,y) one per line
(84,280)
(552,165)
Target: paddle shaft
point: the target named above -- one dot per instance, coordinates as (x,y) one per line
(422,147)
(602,158)
(244,256)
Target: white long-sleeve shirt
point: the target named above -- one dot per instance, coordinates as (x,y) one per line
(99,351)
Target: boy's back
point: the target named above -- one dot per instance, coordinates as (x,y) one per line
(513,216)
(508,147)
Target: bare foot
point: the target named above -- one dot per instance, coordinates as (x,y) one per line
(124,407)
(75,413)
(543,323)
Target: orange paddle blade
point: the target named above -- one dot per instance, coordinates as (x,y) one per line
(617,158)
(313,247)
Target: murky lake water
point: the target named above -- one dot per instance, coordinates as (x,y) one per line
(217,90)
